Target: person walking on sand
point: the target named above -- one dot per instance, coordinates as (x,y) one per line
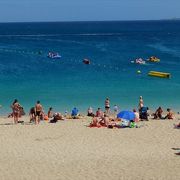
(107,105)
(38,112)
(16,107)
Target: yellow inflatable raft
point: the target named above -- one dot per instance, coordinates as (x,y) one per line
(154,59)
(159,74)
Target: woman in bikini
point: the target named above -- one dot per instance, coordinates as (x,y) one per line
(141,103)
(107,105)
(16,110)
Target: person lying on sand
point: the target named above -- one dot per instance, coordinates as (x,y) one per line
(56,117)
(177,126)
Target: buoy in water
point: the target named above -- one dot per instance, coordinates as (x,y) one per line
(138,72)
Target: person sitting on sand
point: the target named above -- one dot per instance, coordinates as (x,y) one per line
(158,113)
(38,112)
(90,111)
(136,115)
(74,113)
(16,110)
(22,112)
(50,112)
(95,122)
(105,120)
(32,114)
(99,113)
(169,114)
(116,109)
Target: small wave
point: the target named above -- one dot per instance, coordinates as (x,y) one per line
(166,49)
(65,34)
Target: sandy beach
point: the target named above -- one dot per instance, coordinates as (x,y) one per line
(70,150)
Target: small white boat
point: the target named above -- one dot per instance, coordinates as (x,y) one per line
(53,55)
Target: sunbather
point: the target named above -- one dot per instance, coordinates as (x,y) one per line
(158,113)
(169,114)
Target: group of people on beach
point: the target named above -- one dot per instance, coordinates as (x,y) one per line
(37,113)
(108,119)
(99,118)
(17,111)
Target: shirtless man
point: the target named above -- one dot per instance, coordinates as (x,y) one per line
(38,112)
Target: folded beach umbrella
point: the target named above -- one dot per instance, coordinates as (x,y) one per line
(128,115)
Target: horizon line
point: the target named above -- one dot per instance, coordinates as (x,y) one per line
(172,19)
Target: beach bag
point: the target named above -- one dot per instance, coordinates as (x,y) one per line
(46,118)
(125,123)
(132,125)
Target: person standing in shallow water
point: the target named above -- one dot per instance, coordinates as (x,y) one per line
(107,105)
(38,112)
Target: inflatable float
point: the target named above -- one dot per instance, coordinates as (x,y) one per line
(159,74)
(86,61)
(139,61)
(154,59)
(53,55)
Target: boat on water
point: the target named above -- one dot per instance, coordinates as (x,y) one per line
(139,61)
(53,55)
(154,59)
(159,74)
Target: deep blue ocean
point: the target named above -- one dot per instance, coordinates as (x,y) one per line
(65,83)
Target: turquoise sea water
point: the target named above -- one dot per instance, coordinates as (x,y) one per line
(67,82)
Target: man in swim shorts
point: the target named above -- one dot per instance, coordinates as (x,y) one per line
(38,112)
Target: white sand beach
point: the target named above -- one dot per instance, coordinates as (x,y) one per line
(70,150)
